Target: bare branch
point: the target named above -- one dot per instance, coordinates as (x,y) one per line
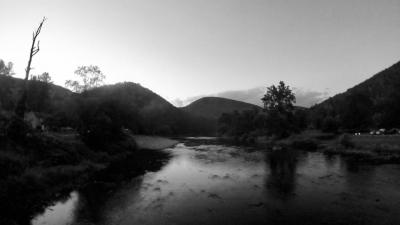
(35,48)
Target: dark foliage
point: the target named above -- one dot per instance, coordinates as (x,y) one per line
(246,125)
(102,120)
(142,111)
(17,129)
(330,124)
(38,95)
(6,93)
(374,103)
(60,108)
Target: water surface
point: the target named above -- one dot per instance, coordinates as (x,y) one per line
(217,184)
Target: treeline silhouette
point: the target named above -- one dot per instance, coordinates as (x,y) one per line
(102,112)
(108,110)
(278,119)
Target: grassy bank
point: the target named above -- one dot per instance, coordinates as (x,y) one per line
(362,148)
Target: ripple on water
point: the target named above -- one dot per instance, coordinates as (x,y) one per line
(216,184)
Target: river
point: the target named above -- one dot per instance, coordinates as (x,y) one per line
(219,184)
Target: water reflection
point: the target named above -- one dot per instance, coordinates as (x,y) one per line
(216,184)
(281,180)
(62,213)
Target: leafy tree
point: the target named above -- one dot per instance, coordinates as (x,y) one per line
(279,98)
(278,104)
(279,118)
(90,77)
(45,78)
(6,84)
(6,70)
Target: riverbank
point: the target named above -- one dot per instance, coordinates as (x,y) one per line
(224,184)
(46,166)
(362,148)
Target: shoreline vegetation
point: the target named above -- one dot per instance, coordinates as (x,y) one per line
(366,148)
(48,166)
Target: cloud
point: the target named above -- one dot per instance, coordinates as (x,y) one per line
(309,98)
(305,98)
(252,96)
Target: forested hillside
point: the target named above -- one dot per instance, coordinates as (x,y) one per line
(374,103)
(126,105)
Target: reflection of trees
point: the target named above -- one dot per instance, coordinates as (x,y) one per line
(281,181)
(94,198)
(106,184)
(358,177)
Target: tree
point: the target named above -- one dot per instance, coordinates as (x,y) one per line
(279,98)
(35,48)
(91,77)
(6,85)
(6,70)
(17,128)
(278,104)
(45,78)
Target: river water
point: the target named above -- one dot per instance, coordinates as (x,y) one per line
(218,184)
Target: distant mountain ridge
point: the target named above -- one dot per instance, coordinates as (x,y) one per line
(214,107)
(372,103)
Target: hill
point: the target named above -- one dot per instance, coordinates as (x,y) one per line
(135,107)
(214,107)
(11,89)
(128,104)
(372,103)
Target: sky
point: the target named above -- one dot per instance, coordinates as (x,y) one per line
(182,49)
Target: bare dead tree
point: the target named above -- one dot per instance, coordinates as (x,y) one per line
(35,48)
